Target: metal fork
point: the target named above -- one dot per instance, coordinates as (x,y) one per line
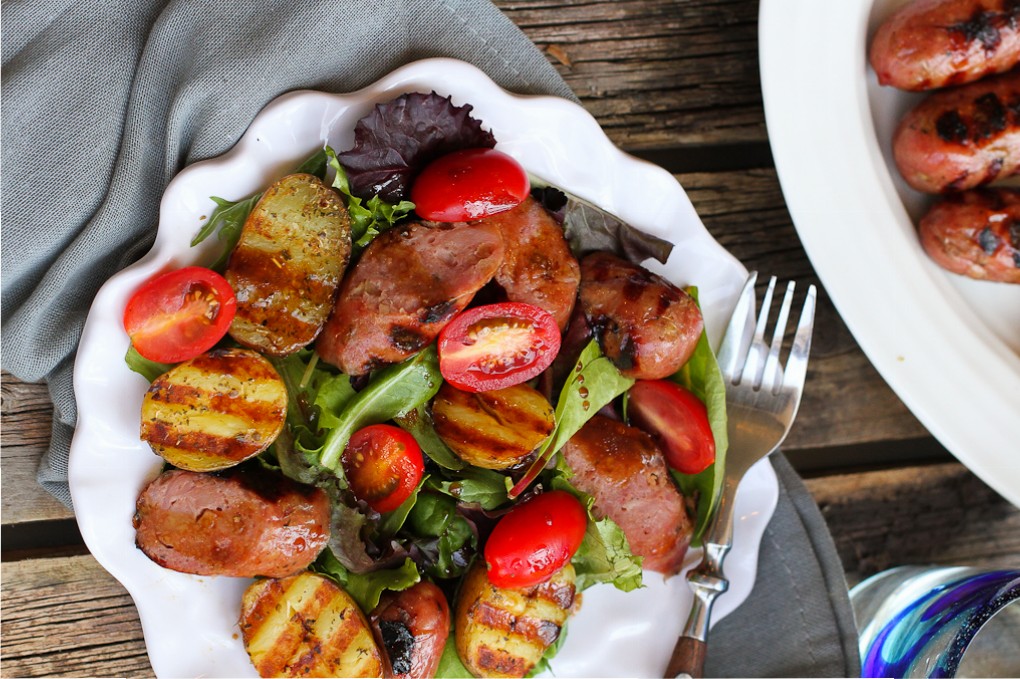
(762,398)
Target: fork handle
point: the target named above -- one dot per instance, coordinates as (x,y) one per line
(707,583)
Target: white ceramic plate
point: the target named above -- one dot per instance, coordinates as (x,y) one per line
(948,346)
(190,622)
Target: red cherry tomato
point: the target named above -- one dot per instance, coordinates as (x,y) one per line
(497,346)
(383,464)
(469,184)
(180,314)
(535,539)
(677,419)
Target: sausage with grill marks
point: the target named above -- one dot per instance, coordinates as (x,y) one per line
(929,44)
(976,234)
(961,138)
(409,283)
(413,625)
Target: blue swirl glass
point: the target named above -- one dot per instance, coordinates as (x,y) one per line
(918,621)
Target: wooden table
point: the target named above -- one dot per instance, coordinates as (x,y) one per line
(676,83)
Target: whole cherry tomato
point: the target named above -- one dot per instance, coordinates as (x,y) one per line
(469,184)
(497,346)
(180,314)
(535,539)
(677,419)
(383,464)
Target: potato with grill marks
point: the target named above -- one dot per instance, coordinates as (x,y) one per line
(503,632)
(307,626)
(287,265)
(493,429)
(214,411)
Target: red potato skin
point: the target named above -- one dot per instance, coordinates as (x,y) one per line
(929,44)
(245,522)
(623,469)
(646,325)
(538,267)
(409,283)
(976,234)
(961,138)
(419,615)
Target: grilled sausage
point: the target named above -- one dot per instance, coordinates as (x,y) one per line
(406,287)
(244,522)
(976,233)
(214,411)
(929,44)
(623,469)
(307,626)
(961,138)
(646,325)
(503,632)
(413,625)
(538,267)
(287,265)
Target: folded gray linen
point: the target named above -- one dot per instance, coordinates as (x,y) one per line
(104,102)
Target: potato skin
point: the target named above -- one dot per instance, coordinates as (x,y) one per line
(214,411)
(504,632)
(307,626)
(287,265)
(975,234)
(492,429)
(245,522)
(413,625)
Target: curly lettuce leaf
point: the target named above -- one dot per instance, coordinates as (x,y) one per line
(369,217)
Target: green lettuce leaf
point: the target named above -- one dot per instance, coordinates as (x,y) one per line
(366,588)
(369,217)
(150,370)
(473,485)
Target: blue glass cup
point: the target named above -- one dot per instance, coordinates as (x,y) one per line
(921,621)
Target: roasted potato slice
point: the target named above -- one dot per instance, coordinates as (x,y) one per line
(492,429)
(287,265)
(214,411)
(504,632)
(307,626)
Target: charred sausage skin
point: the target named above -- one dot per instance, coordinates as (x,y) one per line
(626,473)
(961,138)
(413,626)
(929,44)
(976,234)
(646,325)
(245,522)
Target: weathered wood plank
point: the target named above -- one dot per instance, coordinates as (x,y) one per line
(655,72)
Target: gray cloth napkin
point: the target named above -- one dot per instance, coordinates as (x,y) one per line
(105,102)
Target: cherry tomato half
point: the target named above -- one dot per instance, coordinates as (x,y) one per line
(535,539)
(383,464)
(180,314)
(469,184)
(497,346)
(677,419)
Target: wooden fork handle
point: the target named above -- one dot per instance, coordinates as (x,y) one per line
(688,658)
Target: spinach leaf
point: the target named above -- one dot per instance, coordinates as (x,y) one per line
(450,665)
(446,539)
(366,588)
(474,485)
(368,218)
(419,424)
(315,165)
(150,370)
(226,221)
(392,392)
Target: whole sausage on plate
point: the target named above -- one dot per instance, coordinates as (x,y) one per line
(929,44)
(406,287)
(646,325)
(244,522)
(976,234)
(413,625)
(963,137)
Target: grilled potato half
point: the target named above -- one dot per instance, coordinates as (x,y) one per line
(287,265)
(307,626)
(492,429)
(214,411)
(504,632)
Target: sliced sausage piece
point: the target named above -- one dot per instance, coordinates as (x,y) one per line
(413,625)
(976,234)
(646,325)
(623,469)
(961,138)
(406,287)
(287,265)
(929,44)
(245,522)
(538,267)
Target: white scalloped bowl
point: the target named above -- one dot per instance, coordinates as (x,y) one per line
(190,622)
